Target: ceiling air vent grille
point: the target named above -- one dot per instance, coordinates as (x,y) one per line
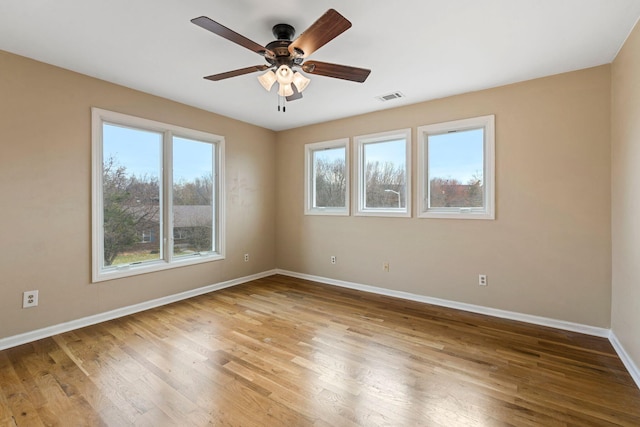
(390,96)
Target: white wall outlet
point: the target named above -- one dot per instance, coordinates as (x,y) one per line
(385,267)
(246,257)
(30,299)
(482,279)
(333,259)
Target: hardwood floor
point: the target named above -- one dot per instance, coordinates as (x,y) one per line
(288,352)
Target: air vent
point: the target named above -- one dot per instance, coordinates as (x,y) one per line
(390,96)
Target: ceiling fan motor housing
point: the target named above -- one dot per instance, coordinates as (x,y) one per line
(283,33)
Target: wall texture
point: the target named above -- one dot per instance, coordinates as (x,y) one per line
(548,253)
(45,193)
(625,197)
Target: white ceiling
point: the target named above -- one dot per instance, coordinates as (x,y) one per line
(425,49)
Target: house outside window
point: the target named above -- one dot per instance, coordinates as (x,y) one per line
(148,236)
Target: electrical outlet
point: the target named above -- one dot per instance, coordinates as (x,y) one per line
(30,299)
(385,267)
(246,257)
(333,259)
(482,279)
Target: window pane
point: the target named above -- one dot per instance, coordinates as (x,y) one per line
(385,174)
(133,189)
(329,178)
(456,176)
(192,197)
(131,195)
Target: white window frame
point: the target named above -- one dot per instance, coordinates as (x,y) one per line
(360,170)
(487,123)
(309,178)
(99,273)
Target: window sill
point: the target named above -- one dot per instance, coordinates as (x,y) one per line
(152,266)
(384,213)
(458,215)
(327,212)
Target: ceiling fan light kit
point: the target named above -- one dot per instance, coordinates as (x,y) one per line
(284,75)
(300,81)
(285,90)
(283,55)
(267,80)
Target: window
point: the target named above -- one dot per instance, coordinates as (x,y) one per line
(383,174)
(456,169)
(327,178)
(157,199)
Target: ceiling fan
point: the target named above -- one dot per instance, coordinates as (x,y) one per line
(285,54)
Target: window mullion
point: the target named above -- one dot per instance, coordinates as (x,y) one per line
(167,208)
(361,181)
(314,177)
(97,195)
(214,200)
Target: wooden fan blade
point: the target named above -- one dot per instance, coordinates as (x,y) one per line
(222,31)
(326,28)
(344,72)
(239,72)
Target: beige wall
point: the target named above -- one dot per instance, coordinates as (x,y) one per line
(45,179)
(625,142)
(548,253)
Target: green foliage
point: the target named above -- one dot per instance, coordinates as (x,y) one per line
(130,257)
(130,206)
(119,227)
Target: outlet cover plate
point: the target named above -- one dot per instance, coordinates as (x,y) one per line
(30,299)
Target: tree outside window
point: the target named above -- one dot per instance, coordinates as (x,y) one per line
(383,162)
(456,172)
(327,178)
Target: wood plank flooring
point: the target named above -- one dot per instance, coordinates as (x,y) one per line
(287,352)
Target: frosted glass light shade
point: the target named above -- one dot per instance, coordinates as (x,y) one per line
(267,80)
(285,90)
(284,75)
(300,81)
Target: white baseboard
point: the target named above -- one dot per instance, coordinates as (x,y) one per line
(626,359)
(628,362)
(27,337)
(528,318)
(49,331)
